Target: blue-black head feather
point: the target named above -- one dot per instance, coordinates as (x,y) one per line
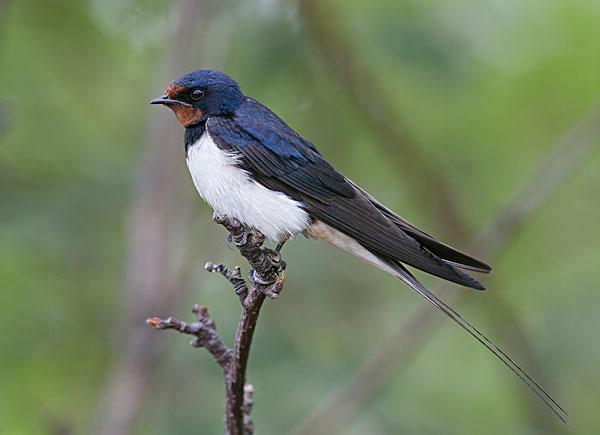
(218,94)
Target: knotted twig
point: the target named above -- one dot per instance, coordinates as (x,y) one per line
(266,280)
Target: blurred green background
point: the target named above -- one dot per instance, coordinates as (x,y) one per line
(440,109)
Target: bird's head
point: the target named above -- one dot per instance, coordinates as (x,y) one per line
(199,94)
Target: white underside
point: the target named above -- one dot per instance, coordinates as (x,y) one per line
(230,190)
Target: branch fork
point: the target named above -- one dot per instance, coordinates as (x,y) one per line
(265,279)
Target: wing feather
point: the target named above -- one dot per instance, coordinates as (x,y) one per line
(282,160)
(445,252)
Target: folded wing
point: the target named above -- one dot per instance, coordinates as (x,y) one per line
(445,252)
(281,160)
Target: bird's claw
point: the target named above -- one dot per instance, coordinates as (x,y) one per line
(275,258)
(271,289)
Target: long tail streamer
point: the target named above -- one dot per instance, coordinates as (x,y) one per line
(413,283)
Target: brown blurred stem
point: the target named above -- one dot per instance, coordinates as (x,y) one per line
(380,113)
(155,259)
(265,278)
(553,171)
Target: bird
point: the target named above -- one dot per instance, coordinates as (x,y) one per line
(248,164)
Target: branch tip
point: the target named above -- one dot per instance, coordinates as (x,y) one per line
(154,322)
(201,311)
(266,278)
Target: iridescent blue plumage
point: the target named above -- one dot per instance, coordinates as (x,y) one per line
(247,161)
(280,159)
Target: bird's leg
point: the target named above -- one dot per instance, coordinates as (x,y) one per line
(276,287)
(280,245)
(271,288)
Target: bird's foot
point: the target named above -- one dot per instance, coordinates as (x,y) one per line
(279,246)
(274,289)
(270,288)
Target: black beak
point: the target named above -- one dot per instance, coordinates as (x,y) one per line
(166,100)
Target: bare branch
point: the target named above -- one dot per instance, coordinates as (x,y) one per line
(265,278)
(247,409)
(204,330)
(394,352)
(266,281)
(233,276)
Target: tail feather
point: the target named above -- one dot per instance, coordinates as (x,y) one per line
(394,267)
(405,276)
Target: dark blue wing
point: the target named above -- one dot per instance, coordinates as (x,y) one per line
(282,160)
(271,148)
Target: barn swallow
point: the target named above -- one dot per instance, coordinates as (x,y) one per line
(249,164)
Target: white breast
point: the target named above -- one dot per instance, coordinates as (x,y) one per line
(230,190)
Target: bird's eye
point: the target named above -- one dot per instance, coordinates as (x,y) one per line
(197,94)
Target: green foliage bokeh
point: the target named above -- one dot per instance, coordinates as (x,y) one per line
(486,88)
